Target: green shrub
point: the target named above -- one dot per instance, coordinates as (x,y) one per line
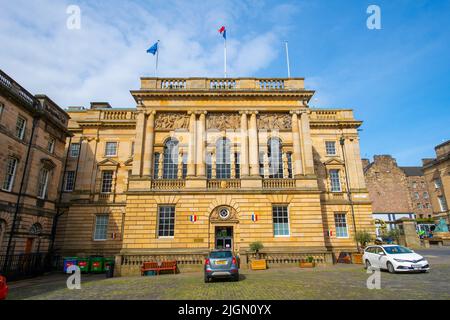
(363,238)
(256,247)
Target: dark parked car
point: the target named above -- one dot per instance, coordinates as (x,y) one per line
(221,264)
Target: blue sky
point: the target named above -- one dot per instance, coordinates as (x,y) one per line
(396,79)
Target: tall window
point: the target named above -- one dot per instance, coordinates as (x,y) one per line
(69,181)
(43,183)
(2,107)
(416,195)
(156,158)
(107,179)
(330,147)
(261,164)
(208,166)
(223,160)
(10,174)
(185,160)
(101,227)
(425,195)
(237,166)
(2,231)
(74,150)
(170,170)
(335,181)
(340,222)
(437,183)
(275,152)
(51,145)
(20,127)
(166,221)
(442,203)
(280,220)
(289,159)
(111,149)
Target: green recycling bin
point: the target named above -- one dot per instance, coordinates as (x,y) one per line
(83,264)
(96,264)
(108,262)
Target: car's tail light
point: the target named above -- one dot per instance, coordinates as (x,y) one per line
(234,261)
(207,262)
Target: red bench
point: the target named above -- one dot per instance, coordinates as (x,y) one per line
(155,266)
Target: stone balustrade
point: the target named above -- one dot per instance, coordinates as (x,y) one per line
(278,183)
(224,184)
(168,184)
(118,115)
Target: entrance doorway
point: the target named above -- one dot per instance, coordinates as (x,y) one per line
(224,238)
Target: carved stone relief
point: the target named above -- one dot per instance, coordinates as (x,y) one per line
(223,121)
(270,121)
(171,120)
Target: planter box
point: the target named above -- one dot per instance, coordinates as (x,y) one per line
(357,258)
(258,264)
(307,264)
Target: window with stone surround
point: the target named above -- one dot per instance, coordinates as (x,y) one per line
(340,221)
(43,183)
(416,195)
(10,174)
(74,150)
(237,166)
(107,180)
(289,159)
(101,227)
(51,145)
(275,152)
(437,183)
(170,166)
(185,163)
(280,216)
(330,147)
(69,181)
(20,127)
(223,159)
(2,108)
(166,221)
(111,149)
(156,158)
(442,203)
(426,195)
(208,166)
(335,180)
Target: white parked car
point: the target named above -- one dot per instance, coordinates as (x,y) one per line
(394,258)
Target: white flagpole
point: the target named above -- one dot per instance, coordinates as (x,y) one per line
(157,61)
(225,55)
(287,59)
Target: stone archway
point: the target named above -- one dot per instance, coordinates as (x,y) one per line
(224,228)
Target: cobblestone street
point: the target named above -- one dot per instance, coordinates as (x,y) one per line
(331,282)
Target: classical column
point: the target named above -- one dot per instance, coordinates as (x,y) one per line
(180,166)
(266,166)
(192,142)
(307,153)
(244,145)
(254,145)
(161,166)
(201,143)
(285,165)
(139,144)
(213,166)
(296,156)
(232,164)
(149,142)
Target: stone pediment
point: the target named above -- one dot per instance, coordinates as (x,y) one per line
(334,162)
(108,162)
(129,162)
(48,163)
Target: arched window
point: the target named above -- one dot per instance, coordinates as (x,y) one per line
(36,229)
(2,233)
(275,154)
(171,159)
(223,160)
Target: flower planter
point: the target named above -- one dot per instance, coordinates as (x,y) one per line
(259,264)
(357,258)
(307,264)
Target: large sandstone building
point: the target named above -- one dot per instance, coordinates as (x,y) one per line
(33,132)
(203,164)
(437,174)
(396,192)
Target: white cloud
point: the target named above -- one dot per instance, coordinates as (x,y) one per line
(104,60)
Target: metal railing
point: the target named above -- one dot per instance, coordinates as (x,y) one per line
(22,266)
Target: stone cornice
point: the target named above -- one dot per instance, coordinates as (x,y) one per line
(158,94)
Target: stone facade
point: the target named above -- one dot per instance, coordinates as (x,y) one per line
(33,132)
(437,175)
(205,163)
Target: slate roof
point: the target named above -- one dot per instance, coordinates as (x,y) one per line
(412,171)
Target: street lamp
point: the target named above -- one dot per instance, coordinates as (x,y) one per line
(349,192)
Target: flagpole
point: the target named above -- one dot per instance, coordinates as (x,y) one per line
(225,54)
(287,59)
(157,61)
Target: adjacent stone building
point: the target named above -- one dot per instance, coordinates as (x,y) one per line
(33,132)
(396,192)
(213,163)
(437,175)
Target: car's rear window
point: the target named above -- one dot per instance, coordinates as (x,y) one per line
(221,254)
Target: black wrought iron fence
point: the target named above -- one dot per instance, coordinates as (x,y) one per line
(29,265)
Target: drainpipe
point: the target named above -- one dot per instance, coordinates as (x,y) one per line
(19,196)
(349,192)
(58,208)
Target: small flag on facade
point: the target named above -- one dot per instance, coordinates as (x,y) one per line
(254,217)
(193,218)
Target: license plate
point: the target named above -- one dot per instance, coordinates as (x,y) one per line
(221,262)
(417,266)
